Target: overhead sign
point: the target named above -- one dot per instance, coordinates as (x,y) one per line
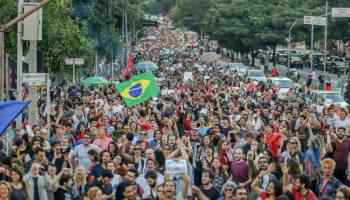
(34,78)
(340,12)
(308,20)
(317,21)
(74,61)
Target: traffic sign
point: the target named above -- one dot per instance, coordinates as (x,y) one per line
(74,61)
(69,61)
(79,61)
(319,21)
(34,78)
(308,20)
(340,12)
(313,20)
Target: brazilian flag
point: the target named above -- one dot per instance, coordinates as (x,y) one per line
(139,89)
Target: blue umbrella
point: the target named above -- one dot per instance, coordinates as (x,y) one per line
(146,66)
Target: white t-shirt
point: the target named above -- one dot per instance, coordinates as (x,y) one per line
(81,155)
(342,123)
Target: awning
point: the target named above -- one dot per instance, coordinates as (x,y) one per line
(9,110)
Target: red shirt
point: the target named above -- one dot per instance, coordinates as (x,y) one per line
(264,196)
(224,158)
(274,72)
(187,123)
(298,196)
(273,141)
(144,125)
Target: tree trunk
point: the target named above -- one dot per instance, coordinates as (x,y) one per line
(232,55)
(252,54)
(274,56)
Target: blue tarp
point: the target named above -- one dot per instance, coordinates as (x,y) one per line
(9,110)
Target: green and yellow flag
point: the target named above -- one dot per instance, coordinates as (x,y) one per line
(139,89)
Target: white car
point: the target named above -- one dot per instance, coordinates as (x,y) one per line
(283,84)
(239,67)
(256,75)
(329,98)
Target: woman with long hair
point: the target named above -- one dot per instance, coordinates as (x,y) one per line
(202,150)
(342,194)
(80,183)
(112,149)
(5,190)
(273,189)
(220,174)
(94,193)
(80,132)
(18,190)
(223,151)
(64,190)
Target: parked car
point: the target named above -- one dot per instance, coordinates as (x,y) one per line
(283,84)
(239,67)
(328,98)
(296,61)
(282,58)
(256,75)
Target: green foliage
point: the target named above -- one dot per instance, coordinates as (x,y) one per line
(77,28)
(156,7)
(246,25)
(192,13)
(104,19)
(6,15)
(62,36)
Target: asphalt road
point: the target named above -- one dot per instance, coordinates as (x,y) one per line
(283,69)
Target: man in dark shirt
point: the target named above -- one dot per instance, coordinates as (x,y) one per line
(207,187)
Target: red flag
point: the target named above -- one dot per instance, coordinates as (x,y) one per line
(129,67)
(130,62)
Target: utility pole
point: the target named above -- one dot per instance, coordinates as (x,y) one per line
(126,32)
(74,72)
(96,63)
(33,108)
(7,74)
(325,40)
(33,68)
(2,64)
(19,52)
(312,47)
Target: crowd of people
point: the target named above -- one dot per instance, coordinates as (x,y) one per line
(213,136)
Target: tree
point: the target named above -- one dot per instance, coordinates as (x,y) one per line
(62,36)
(192,13)
(248,25)
(8,11)
(104,19)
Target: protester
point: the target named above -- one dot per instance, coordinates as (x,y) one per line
(209,135)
